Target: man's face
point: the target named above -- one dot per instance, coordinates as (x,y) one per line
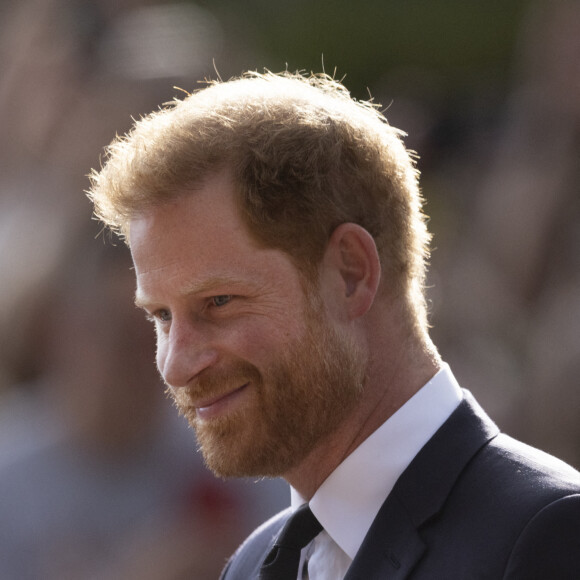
(249,357)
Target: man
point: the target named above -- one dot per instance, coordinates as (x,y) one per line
(279,246)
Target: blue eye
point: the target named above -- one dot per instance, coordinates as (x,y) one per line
(160,315)
(221,300)
(164,315)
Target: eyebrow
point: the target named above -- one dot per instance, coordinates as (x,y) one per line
(195,288)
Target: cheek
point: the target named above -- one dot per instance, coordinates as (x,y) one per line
(256,343)
(265,345)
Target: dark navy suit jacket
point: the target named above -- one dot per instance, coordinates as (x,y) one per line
(473,504)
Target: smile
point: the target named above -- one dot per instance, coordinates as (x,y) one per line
(211,408)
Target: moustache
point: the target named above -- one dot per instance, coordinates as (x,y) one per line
(215,382)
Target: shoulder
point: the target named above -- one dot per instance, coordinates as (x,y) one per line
(494,500)
(543,494)
(513,482)
(495,461)
(549,544)
(247,559)
(525,469)
(525,505)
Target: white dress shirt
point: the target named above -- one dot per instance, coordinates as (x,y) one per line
(349,499)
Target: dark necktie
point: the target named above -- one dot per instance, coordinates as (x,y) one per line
(282,561)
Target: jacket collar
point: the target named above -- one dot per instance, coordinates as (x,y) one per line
(393,544)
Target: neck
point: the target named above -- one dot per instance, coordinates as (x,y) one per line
(391,382)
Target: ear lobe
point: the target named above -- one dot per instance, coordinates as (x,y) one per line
(353,254)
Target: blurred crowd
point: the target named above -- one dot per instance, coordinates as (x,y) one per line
(99,478)
(508,306)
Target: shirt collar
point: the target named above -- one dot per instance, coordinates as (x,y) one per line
(374,467)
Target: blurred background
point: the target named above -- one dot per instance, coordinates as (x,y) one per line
(99,479)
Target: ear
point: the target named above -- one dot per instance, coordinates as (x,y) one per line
(351,269)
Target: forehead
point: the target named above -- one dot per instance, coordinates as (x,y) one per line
(208,212)
(194,239)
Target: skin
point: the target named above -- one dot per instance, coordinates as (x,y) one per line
(220,301)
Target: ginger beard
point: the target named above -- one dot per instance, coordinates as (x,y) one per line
(310,387)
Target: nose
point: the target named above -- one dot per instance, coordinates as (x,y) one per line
(184,352)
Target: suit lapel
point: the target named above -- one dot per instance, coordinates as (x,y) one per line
(393,544)
(397,552)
